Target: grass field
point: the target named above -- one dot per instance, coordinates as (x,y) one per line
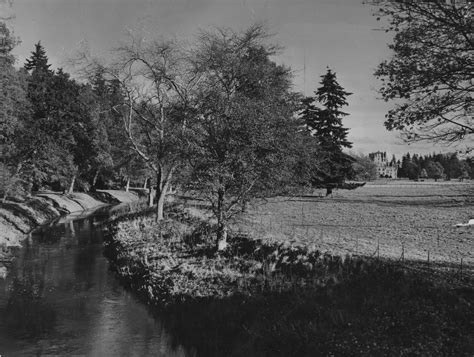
(394,219)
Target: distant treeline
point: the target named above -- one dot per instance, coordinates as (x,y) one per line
(435,166)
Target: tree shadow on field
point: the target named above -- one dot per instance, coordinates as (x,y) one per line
(385,313)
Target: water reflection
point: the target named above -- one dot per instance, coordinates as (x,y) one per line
(59,298)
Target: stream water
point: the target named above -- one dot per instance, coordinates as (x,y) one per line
(59,298)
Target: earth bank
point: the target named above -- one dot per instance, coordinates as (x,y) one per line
(20,215)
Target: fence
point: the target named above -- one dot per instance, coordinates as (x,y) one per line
(416,246)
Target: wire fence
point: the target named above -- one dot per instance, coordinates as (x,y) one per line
(426,247)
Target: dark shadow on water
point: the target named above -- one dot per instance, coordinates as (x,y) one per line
(26,314)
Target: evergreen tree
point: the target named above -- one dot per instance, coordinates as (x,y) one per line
(48,135)
(38,59)
(453,168)
(325,123)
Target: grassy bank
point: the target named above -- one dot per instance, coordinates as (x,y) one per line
(271,298)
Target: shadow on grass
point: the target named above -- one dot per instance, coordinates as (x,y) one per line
(377,314)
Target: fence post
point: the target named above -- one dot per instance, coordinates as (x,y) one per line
(378,248)
(302,212)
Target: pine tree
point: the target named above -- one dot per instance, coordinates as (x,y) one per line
(325,123)
(38,59)
(48,134)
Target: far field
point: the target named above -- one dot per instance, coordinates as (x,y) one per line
(383,218)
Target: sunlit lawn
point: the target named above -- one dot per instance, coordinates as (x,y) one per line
(387,218)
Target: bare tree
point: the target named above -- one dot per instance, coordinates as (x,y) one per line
(156,84)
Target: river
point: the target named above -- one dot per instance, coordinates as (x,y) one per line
(59,298)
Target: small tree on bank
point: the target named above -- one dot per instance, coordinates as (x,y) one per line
(243,132)
(325,123)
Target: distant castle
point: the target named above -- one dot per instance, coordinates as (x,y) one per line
(384,167)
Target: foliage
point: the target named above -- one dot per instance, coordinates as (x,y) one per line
(13,105)
(434,170)
(117,157)
(437,166)
(325,124)
(48,136)
(429,76)
(10,183)
(243,134)
(364,168)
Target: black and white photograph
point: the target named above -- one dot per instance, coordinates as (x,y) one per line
(205,178)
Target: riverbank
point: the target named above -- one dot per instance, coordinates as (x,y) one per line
(269,298)
(19,216)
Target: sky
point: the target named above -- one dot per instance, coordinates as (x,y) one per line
(315,34)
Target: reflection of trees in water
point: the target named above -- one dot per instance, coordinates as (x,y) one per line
(26,313)
(85,268)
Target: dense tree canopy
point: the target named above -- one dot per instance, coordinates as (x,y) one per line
(429,77)
(437,166)
(13,107)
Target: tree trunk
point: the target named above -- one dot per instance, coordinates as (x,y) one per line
(127,185)
(328,191)
(144,184)
(71,186)
(29,188)
(151,196)
(94,179)
(160,204)
(162,183)
(221,222)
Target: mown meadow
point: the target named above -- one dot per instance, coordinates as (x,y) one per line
(393,219)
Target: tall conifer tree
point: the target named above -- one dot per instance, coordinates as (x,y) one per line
(325,123)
